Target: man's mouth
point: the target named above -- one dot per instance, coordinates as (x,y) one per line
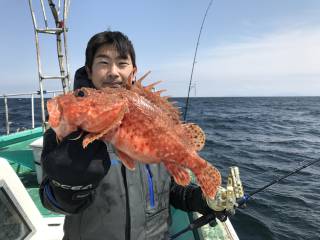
(115,86)
(112,84)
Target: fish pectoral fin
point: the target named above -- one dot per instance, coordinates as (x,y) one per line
(180,175)
(194,135)
(89,138)
(126,160)
(93,136)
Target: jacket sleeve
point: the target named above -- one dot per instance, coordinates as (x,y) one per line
(188,198)
(71,173)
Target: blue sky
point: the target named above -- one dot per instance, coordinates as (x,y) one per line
(247,48)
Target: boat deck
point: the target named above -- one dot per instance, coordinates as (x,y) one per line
(15,148)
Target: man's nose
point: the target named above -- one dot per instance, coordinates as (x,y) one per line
(114,70)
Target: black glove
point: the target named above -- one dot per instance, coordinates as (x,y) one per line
(198,202)
(70,165)
(71,172)
(190,198)
(201,206)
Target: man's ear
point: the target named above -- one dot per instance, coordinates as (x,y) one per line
(134,72)
(131,78)
(88,72)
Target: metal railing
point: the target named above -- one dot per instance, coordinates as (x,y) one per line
(32,96)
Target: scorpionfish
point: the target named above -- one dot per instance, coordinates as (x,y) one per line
(142,126)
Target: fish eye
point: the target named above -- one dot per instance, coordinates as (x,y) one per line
(79,93)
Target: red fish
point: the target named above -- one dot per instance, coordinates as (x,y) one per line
(141,125)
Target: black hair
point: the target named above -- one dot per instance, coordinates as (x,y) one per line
(120,41)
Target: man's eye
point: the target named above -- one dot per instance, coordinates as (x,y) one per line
(103,62)
(123,64)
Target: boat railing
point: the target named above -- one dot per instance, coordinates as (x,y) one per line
(32,95)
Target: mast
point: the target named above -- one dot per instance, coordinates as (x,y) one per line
(59,31)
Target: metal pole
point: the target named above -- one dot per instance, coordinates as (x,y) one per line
(42,106)
(33,15)
(59,4)
(7,113)
(62,59)
(44,14)
(32,110)
(65,16)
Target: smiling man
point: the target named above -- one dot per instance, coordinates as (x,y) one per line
(99,196)
(110,66)
(110,62)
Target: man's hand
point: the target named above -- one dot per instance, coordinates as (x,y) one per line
(71,172)
(224,203)
(69,165)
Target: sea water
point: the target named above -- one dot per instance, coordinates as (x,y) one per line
(266,137)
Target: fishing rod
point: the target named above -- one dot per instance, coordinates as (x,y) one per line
(205,219)
(194,60)
(190,82)
(246,197)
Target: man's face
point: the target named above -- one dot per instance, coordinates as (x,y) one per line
(109,69)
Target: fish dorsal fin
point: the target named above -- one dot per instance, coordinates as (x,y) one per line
(156,98)
(195,135)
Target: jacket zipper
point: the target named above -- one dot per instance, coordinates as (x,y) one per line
(150,185)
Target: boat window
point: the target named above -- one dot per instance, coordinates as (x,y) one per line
(12,224)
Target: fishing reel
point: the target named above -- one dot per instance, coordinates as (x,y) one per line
(226,198)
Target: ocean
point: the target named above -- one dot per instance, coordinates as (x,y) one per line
(266,137)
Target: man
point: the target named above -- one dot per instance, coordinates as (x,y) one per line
(99,196)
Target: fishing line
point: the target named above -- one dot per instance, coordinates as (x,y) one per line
(194,61)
